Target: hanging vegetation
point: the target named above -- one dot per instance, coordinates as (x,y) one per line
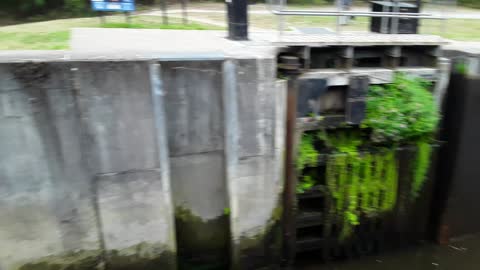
(361,171)
(422,163)
(307,155)
(357,181)
(404,111)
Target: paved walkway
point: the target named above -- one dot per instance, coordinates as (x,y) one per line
(471,47)
(191,41)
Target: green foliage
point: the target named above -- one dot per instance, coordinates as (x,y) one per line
(461,68)
(307,155)
(226,211)
(305,184)
(357,181)
(405,111)
(469,3)
(401,111)
(390,181)
(76,7)
(25,8)
(422,163)
(344,141)
(27,5)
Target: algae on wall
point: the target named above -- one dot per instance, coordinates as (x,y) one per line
(81,260)
(263,250)
(202,244)
(144,256)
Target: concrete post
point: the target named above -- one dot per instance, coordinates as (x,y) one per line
(158,95)
(231,154)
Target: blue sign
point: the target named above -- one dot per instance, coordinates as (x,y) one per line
(113,5)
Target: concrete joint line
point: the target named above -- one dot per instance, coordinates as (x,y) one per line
(129,172)
(199,70)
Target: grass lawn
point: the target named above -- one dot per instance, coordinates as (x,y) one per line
(55,35)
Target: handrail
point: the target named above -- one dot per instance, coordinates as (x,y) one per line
(354,13)
(278,10)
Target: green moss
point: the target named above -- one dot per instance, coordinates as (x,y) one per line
(196,233)
(143,256)
(275,217)
(307,155)
(422,163)
(80,260)
(202,243)
(461,68)
(277,213)
(306,183)
(263,250)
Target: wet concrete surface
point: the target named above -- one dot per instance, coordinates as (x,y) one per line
(462,254)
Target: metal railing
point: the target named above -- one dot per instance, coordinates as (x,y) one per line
(279,10)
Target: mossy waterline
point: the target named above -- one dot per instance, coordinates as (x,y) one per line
(202,244)
(262,250)
(138,257)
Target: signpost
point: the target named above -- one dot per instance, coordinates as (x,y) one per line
(126,6)
(113,5)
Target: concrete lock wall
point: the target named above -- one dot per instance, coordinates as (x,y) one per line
(131,164)
(458,170)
